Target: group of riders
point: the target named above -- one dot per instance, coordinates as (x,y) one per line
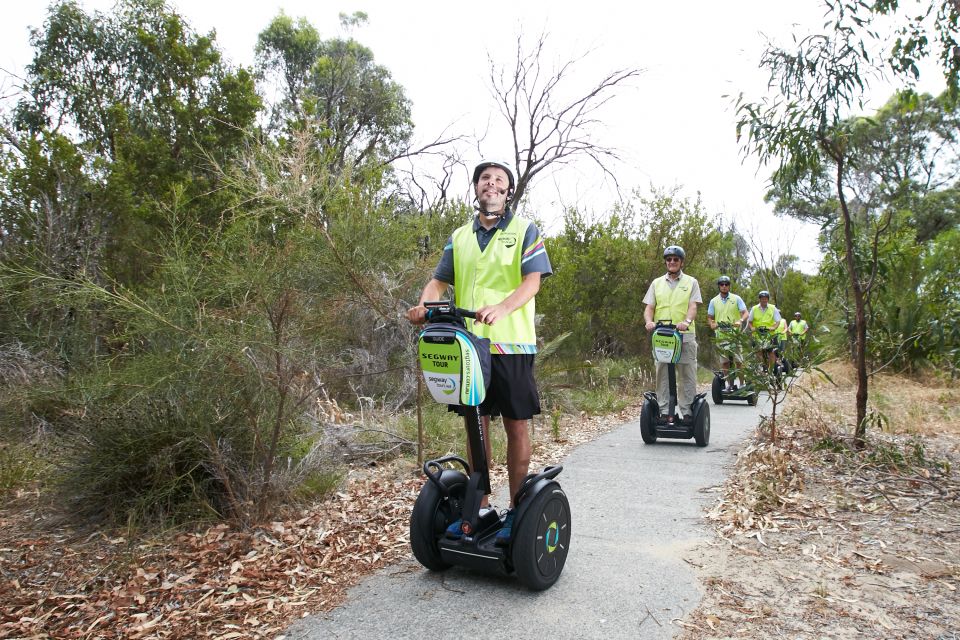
(727,314)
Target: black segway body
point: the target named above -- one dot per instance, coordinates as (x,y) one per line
(667,348)
(452,362)
(720,393)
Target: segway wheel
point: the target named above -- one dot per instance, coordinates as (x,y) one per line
(752,399)
(701,425)
(648,430)
(717,390)
(542,539)
(432,514)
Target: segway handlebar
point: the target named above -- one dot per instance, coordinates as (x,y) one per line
(442,308)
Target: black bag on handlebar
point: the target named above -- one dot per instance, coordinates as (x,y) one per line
(455,363)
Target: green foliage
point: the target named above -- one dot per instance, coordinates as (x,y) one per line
(916,32)
(334,87)
(602,270)
(121,111)
(320,484)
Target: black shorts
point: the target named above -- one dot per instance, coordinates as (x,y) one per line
(513,389)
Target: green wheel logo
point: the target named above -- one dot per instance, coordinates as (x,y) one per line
(552,537)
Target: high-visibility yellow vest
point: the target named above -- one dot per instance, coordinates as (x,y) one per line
(763,319)
(781,330)
(672,303)
(483,278)
(798,328)
(726,311)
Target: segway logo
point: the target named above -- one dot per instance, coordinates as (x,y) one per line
(552,537)
(508,239)
(443,384)
(439,360)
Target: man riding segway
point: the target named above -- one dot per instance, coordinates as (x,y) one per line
(673,298)
(726,314)
(495,262)
(762,323)
(798,330)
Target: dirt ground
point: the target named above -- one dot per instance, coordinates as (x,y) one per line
(815,540)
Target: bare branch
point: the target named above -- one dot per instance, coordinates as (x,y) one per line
(548,131)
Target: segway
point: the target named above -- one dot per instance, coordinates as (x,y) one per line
(740,390)
(667,347)
(456,369)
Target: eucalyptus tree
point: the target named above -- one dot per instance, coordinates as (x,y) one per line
(146,102)
(807,126)
(334,86)
(804,125)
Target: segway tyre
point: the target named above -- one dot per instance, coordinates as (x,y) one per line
(432,514)
(541,539)
(717,390)
(648,417)
(752,399)
(701,425)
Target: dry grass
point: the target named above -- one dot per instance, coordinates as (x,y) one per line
(817,539)
(924,404)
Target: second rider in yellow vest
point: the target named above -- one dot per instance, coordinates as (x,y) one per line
(673,298)
(726,313)
(762,322)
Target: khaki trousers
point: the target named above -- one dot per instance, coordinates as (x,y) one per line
(686,381)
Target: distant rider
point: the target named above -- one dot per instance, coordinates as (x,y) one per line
(726,314)
(763,319)
(798,330)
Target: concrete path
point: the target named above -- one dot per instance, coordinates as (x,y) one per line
(635,509)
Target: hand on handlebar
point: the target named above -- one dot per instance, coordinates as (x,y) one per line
(490,314)
(417,315)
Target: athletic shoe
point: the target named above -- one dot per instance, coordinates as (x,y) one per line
(688,420)
(454,531)
(503,536)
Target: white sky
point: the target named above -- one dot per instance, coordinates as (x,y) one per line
(673,126)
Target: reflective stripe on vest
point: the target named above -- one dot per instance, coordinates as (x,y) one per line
(763,319)
(726,311)
(672,303)
(483,278)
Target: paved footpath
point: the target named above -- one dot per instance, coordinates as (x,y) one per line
(636,508)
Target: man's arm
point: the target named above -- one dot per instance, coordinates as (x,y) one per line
(433,291)
(528,288)
(691,315)
(648,312)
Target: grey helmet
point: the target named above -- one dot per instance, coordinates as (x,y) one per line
(674,250)
(723,280)
(763,294)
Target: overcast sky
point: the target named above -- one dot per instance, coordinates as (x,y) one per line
(673,125)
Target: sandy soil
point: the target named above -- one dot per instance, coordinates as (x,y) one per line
(816,540)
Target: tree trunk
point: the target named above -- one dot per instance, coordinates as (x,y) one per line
(860,319)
